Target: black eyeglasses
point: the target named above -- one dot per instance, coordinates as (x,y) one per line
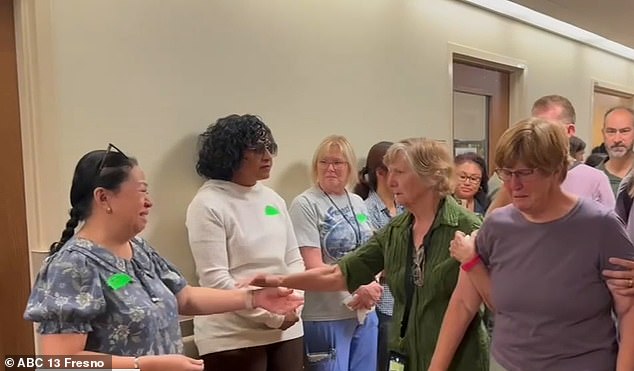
(262,147)
(102,163)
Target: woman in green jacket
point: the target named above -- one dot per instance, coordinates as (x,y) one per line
(413,250)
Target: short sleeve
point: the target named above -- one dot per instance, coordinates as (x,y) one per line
(305,222)
(615,242)
(167,272)
(67,295)
(484,241)
(362,265)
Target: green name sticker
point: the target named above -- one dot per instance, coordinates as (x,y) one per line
(119,280)
(362,218)
(271,210)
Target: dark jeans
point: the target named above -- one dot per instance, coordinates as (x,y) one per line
(383,356)
(283,356)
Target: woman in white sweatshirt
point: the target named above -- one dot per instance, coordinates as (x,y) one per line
(238,227)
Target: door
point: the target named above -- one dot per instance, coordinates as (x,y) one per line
(16,334)
(480,109)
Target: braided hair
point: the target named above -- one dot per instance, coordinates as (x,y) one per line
(95,169)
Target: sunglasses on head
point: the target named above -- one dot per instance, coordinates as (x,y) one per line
(102,162)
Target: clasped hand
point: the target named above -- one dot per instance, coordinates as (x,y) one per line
(462,247)
(366,296)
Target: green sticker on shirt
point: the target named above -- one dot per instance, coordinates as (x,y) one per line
(119,280)
(271,210)
(362,218)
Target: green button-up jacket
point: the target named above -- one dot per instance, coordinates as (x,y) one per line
(388,251)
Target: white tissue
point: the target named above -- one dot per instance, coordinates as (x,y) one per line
(362,313)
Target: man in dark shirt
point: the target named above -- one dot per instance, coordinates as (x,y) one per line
(618,136)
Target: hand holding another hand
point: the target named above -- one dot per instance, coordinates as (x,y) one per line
(620,282)
(261,280)
(462,247)
(366,296)
(278,300)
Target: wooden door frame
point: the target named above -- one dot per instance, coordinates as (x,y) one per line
(14,266)
(516,68)
(603,87)
(498,104)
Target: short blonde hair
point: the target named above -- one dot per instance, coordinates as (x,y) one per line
(430,159)
(342,144)
(537,144)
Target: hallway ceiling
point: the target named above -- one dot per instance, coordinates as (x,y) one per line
(612,19)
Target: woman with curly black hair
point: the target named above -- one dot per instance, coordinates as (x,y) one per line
(238,227)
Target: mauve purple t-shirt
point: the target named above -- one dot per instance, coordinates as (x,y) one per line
(553,308)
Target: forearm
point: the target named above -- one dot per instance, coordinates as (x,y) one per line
(204,300)
(625,360)
(326,278)
(122,362)
(481,280)
(455,323)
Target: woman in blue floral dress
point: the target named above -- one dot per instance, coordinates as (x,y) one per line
(105,290)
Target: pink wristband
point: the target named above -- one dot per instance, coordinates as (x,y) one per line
(471,263)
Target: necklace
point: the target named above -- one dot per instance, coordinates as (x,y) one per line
(357,231)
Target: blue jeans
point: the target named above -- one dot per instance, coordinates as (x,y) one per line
(341,345)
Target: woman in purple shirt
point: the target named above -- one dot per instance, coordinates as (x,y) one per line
(545,253)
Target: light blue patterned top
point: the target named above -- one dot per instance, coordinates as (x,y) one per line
(72,295)
(379,216)
(337,225)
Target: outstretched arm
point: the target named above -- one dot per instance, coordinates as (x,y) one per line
(325,278)
(204,300)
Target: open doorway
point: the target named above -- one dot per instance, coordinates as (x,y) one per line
(481,99)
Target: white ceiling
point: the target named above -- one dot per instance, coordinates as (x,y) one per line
(612,19)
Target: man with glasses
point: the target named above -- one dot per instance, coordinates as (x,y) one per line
(581,180)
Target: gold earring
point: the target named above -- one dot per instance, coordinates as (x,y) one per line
(109,210)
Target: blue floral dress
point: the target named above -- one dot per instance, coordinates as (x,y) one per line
(126,307)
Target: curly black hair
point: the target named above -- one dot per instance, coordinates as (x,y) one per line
(223,144)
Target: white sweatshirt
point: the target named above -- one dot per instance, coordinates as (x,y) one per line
(234,233)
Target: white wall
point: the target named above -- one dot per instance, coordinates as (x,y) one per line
(149,75)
